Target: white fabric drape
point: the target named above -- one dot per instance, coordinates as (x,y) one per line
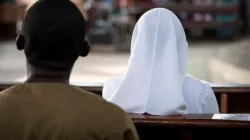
(156,68)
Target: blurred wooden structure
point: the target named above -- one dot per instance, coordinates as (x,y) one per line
(137,10)
(11,13)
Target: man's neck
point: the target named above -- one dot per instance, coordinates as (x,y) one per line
(47,79)
(44,75)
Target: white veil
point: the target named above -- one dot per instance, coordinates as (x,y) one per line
(157,67)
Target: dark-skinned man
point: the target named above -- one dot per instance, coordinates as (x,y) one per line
(46,107)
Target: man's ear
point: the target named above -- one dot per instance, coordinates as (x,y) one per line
(85,49)
(20,42)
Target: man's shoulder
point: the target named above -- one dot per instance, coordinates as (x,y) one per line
(9,89)
(101,112)
(97,101)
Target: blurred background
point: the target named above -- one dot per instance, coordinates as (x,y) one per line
(217,31)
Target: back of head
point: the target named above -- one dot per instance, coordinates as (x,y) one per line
(162,26)
(54,32)
(157,66)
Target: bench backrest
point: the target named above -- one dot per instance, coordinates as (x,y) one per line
(231,98)
(191,126)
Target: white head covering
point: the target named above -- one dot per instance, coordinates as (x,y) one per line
(157,67)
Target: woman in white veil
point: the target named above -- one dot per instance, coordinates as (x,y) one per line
(156,81)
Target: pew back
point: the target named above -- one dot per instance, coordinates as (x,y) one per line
(231,98)
(191,126)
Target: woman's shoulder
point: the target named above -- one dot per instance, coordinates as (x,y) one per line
(193,85)
(195,82)
(114,81)
(111,85)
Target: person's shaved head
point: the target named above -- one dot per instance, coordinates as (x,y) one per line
(53,35)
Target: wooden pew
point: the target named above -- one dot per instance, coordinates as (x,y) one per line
(231,98)
(192,127)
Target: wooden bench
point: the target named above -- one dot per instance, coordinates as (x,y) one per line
(192,127)
(231,98)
